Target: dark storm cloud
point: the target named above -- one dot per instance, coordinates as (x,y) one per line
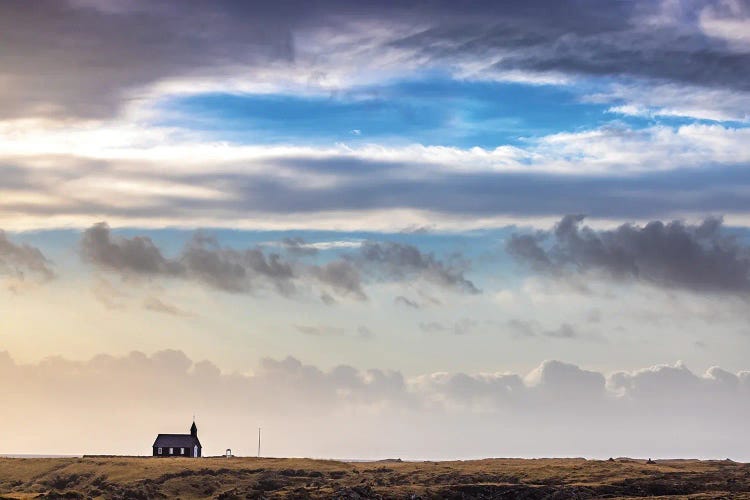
(85,58)
(701,257)
(22,260)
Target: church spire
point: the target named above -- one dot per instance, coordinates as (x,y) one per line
(194,429)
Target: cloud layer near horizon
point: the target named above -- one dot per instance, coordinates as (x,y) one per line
(653,410)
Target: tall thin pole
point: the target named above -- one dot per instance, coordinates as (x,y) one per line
(258,442)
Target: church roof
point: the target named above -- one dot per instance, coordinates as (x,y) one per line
(176,441)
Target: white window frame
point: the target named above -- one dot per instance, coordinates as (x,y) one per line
(159,451)
(171,451)
(182,451)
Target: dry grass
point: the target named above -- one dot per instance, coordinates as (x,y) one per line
(135,478)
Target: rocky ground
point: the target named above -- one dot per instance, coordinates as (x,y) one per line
(222,478)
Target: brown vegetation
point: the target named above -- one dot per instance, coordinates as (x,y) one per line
(222,478)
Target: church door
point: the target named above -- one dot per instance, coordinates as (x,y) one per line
(195,451)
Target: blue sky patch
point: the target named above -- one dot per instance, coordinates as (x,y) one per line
(430,111)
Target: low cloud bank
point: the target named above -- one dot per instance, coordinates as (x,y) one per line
(117,404)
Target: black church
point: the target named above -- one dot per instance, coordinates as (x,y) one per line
(178,445)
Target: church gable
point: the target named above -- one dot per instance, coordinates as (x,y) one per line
(178,445)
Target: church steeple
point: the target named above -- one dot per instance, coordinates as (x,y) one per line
(194,429)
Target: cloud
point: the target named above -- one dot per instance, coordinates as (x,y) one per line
(327,299)
(526,329)
(406,302)
(235,270)
(728,21)
(611,173)
(342,276)
(108,294)
(204,260)
(642,40)
(21,260)
(138,255)
(564,331)
(701,258)
(106,46)
(521,329)
(653,100)
(554,407)
(365,333)
(298,246)
(320,331)
(155,304)
(635,39)
(556,379)
(462,326)
(361,332)
(402,261)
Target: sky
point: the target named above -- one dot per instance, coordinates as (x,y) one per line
(426,230)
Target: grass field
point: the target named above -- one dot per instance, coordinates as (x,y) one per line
(222,478)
